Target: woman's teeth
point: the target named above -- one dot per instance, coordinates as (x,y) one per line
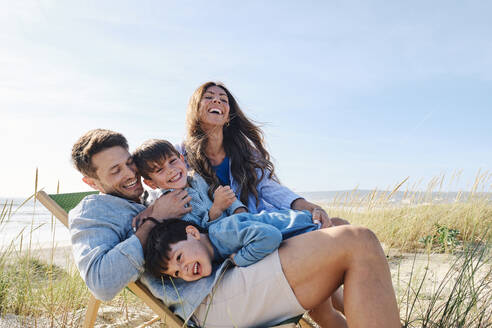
(215,111)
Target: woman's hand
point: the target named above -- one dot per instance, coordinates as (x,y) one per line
(319,214)
(327,222)
(321,217)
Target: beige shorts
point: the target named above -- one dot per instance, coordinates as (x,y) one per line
(253,296)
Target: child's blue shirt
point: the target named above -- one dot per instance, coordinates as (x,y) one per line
(254,236)
(200,202)
(272,196)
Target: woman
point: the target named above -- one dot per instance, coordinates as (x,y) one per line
(226,148)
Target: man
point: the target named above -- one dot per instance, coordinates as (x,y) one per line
(302,274)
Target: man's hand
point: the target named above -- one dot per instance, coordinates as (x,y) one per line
(170,205)
(223,198)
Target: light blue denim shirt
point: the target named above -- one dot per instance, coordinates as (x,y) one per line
(109,255)
(254,236)
(272,195)
(200,202)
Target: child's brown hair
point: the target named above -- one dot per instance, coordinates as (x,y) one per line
(150,153)
(161,237)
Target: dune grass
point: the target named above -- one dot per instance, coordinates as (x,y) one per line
(40,293)
(46,295)
(418,221)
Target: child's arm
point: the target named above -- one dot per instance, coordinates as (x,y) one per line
(250,240)
(236,207)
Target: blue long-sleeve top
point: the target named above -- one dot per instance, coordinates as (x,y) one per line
(109,255)
(254,236)
(272,196)
(200,202)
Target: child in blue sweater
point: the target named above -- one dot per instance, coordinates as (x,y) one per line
(181,249)
(163,169)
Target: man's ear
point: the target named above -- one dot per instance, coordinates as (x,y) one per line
(91,182)
(150,183)
(191,230)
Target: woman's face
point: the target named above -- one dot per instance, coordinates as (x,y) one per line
(214,107)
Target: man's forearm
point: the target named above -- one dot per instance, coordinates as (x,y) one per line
(143,231)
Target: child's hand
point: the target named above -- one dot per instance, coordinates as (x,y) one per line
(223,198)
(241,209)
(232,258)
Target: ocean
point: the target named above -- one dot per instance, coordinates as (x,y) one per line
(31,222)
(20,222)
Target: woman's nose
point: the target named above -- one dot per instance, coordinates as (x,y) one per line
(216,100)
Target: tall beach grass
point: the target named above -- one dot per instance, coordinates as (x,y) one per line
(42,294)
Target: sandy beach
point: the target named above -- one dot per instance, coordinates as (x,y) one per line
(403,266)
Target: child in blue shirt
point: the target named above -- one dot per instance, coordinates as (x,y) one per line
(181,249)
(163,169)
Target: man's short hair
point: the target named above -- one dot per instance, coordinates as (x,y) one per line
(151,152)
(159,241)
(92,143)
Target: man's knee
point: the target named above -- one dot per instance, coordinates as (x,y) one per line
(361,238)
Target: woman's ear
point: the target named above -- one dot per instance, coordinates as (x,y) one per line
(191,230)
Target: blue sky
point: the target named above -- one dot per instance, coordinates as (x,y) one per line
(352,93)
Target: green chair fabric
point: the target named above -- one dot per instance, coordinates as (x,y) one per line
(70,200)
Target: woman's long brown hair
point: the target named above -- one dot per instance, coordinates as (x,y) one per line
(243,143)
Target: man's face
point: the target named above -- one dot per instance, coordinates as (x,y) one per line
(116,174)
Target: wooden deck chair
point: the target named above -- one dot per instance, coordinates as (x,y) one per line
(59,205)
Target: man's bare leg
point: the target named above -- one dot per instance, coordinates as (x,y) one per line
(317,263)
(326,316)
(337,297)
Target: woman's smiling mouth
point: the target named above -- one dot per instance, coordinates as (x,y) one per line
(215,111)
